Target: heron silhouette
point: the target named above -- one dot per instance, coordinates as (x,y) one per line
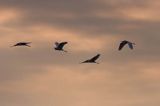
(92,60)
(123,43)
(60,46)
(22,44)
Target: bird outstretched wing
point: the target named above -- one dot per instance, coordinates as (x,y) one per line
(85,61)
(95,57)
(22,44)
(130,45)
(61,45)
(122,44)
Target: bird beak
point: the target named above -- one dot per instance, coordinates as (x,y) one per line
(133,43)
(12,46)
(81,62)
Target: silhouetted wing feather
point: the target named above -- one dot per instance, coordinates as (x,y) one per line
(130,45)
(22,44)
(95,57)
(85,61)
(15,45)
(62,44)
(121,45)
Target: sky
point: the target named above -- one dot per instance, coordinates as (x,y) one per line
(41,76)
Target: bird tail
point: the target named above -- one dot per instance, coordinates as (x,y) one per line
(65,51)
(84,62)
(97,63)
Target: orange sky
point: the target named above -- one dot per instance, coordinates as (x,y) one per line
(40,76)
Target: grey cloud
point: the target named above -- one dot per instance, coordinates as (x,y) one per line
(82,13)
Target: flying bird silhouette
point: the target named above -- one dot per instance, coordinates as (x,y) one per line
(60,46)
(92,60)
(123,43)
(22,44)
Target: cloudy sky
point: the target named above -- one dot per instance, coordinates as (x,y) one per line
(40,76)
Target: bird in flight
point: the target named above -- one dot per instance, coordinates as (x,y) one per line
(22,44)
(59,46)
(92,60)
(123,43)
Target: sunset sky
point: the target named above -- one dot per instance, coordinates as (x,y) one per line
(41,76)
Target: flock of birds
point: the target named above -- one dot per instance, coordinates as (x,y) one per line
(60,46)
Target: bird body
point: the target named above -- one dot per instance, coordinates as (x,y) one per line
(59,46)
(123,43)
(92,60)
(22,44)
